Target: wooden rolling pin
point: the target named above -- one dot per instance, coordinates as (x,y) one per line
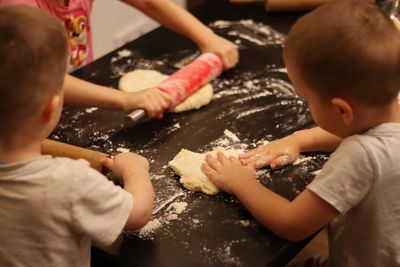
(284,5)
(59,149)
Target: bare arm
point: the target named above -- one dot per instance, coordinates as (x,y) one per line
(286,150)
(138,184)
(181,21)
(134,170)
(80,92)
(317,139)
(292,220)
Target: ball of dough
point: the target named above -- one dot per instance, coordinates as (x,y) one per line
(138,80)
(187,165)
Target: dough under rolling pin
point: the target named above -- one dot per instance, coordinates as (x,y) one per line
(186,81)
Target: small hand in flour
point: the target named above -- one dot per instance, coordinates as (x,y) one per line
(223,48)
(275,154)
(154,101)
(125,164)
(134,170)
(228,174)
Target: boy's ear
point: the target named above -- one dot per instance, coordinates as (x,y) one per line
(345,110)
(50,108)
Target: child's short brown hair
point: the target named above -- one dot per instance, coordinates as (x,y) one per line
(33,52)
(347,48)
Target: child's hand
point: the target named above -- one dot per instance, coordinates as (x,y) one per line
(134,170)
(228,174)
(125,164)
(154,101)
(223,48)
(276,154)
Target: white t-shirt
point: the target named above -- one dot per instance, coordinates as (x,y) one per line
(362,181)
(51,210)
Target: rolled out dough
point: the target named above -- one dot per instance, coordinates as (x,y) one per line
(138,80)
(187,165)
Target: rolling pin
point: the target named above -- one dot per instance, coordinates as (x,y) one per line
(284,5)
(186,81)
(59,149)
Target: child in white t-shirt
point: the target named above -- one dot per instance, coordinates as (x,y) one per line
(51,209)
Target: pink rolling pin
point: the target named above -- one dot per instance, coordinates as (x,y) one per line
(186,81)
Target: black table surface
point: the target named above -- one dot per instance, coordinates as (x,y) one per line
(254,101)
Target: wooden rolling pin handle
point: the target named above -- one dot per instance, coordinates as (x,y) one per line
(59,149)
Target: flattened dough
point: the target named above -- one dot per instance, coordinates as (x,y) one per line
(138,80)
(187,165)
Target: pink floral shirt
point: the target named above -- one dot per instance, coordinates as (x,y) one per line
(75,15)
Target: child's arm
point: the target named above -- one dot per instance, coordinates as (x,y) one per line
(286,150)
(81,92)
(134,170)
(294,220)
(179,20)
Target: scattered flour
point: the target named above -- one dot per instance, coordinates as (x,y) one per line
(245,223)
(186,60)
(301,159)
(246,37)
(149,229)
(156,177)
(123,53)
(177,207)
(90,110)
(168,201)
(223,254)
(251,111)
(231,135)
(172,217)
(253,32)
(122,150)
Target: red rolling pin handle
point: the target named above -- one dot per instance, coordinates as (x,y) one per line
(189,79)
(186,81)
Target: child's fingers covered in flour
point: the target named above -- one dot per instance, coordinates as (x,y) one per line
(275,154)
